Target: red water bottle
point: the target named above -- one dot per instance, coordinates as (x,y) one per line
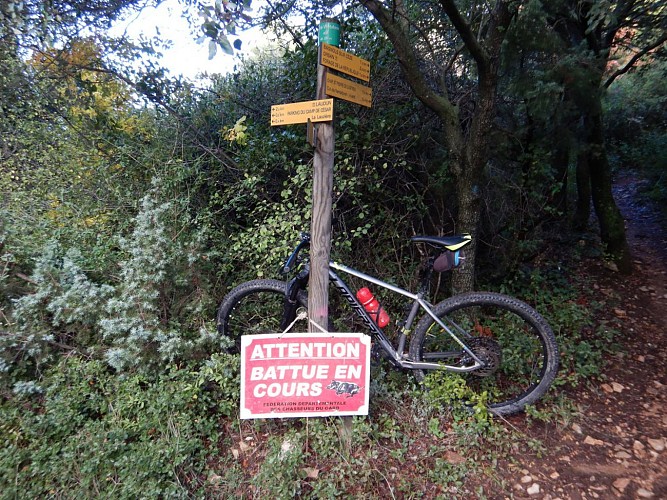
(373,307)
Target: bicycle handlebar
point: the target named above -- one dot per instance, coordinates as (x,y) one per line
(289,263)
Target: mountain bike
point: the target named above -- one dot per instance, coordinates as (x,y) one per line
(504,349)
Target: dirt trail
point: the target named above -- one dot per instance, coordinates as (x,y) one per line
(616,448)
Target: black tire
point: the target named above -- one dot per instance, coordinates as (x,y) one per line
(256,307)
(512,337)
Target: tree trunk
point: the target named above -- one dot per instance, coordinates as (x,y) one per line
(591,42)
(612,225)
(559,162)
(469,213)
(583,210)
(467,147)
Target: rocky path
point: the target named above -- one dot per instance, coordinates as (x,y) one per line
(615,448)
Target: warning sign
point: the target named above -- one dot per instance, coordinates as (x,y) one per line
(304,375)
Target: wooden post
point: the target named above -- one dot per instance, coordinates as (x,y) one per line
(320,229)
(320,242)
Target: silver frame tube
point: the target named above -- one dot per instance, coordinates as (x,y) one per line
(414,365)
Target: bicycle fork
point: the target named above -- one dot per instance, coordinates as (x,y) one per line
(291,304)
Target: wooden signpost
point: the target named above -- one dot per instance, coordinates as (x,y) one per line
(318,115)
(321,136)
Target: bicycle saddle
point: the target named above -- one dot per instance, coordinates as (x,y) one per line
(452,243)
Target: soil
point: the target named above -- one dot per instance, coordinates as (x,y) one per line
(615,445)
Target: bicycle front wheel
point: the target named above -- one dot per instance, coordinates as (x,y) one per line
(256,307)
(514,342)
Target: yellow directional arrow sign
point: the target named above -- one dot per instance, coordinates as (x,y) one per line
(301,112)
(335,58)
(348,90)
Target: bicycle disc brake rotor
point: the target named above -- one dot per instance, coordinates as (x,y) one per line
(489,353)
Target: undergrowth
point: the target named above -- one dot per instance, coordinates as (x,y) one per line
(86,430)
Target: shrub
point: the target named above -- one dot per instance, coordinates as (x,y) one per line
(61,314)
(96,434)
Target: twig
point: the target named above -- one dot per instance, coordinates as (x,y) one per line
(26,278)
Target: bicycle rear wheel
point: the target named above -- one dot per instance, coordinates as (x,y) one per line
(512,339)
(256,307)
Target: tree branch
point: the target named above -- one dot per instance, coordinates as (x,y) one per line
(26,278)
(634,59)
(221,156)
(476,49)
(280,17)
(408,60)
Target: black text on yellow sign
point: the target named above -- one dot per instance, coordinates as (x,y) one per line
(301,112)
(335,58)
(350,91)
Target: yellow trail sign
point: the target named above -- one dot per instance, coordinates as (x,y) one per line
(301,112)
(348,90)
(335,58)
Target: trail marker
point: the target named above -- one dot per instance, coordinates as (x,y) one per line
(301,112)
(335,58)
(348,90)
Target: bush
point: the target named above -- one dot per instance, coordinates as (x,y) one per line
(93,433)
(61,314)
(159,311)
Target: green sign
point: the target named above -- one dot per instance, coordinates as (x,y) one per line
(329,32)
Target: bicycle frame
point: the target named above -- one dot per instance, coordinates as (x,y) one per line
(397,356)
(489,335)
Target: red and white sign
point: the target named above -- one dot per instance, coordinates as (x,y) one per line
(305,375)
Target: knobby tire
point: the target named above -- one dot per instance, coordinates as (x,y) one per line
(512,337)
(255,307)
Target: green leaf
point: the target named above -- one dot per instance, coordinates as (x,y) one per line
(212,49)
(225,45)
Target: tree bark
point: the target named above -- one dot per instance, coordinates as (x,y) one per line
(583,208)
(469,213)
(612,225)
(595,160)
